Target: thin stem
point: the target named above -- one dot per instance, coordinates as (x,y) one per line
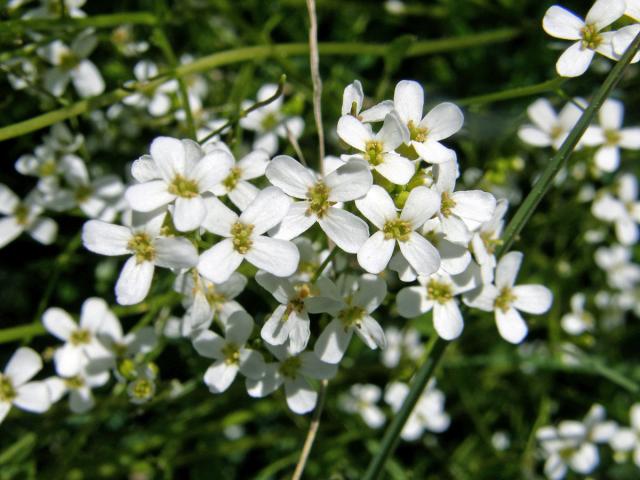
(238,55)
(314,60)
(323,265)
(311,434)
(97,21)
(544,183)
(517,92)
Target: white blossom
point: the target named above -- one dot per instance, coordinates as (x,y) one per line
(578,320)
(362,399)
(353,101)
(550,129)
(21,216)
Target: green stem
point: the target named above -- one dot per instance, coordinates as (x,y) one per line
(438,346)
(23,331)
(517,92)
(238,55)
(16,27)
(543,184)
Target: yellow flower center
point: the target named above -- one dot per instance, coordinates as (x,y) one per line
(21,212)
(231,353)
(416,132)
(289,367)
(319,200)
(611,137)
(446,204)
(7,391)
(241,237)
(232,179)
(591,39)
(397,229)
(80,337)
(504,300)
(352,316)
(439,291)
(373,152)
(183,187)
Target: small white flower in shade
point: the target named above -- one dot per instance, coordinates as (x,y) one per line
(506,300)
(393,228)
(617,262)
(71,64)
(158,102)
(21,72)
(486,240)
(626,440)
(290,370)
(54,9)
(269,122)
(138,341)
(319,198)
(236,184)
(204,300)
(550,129)
(178,173)
(578,320)
(61,139)
(362,399)
(350,304)
(573,443)
(428,413)
(353,101)
(587,34)
(623,211)
(230,353)
(15,388)
(243,237)
(24,216)
(97,199)
(82,346)
(425,133)
(147,249)
(437,292)
(610,136)
(460,212)
(401,343)
(290,320)
(79,387)
(378,149)
(43,163)
(311,257)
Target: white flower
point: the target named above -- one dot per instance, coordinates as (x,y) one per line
(24,216)
(147,249)
(622,273)
(611,136)
(52,9)
(437,292)
(79,387)
(425,133)
(137,341)
(82,346)
(348,182)
(15,388)
(578,320)
(399,343)
(352,102)
(290,320)
(244,237)
(572,443)
(236,184)
(269,122)
(158,103)
(229,352)
(21,72)
(587,34)
(623,211)
(427,414)
(487,238)
(506,300)
(461,212)
(350,304)
(203,299)
(549,128)
(627,439)
(378,207)
(178,173)
(291,369)
(70,63)
(362,399)
(378,149)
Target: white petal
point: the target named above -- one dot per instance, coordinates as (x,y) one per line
(189,213)
(145,197)
(375,253)
(604,12)
(251,364)
(211,169)
(8,200)
(474,205)
(561,23)
(94,311)
(408,100)
(22,366)
(238,327)
(220,376)
(219,262)
(10,229)
(507,269)
(297,221)
(623,38)
(607,158)
(209,344)
(442,121)
(377,112)
(574,61)
(377,206)
(69,360)
(371,333)
(33,397)
(396,168)
(412,301)
(354,132)
(421,255)
(350,181)
(511,326)
(170,157)
(611,114)
(345,229)
(542,114)
(455,230)
(275,330)
(352,94)
(81,400)
(134,282)
(267,210)
(447,320)
(422,203)
(333,342)
(534,299)
(370,293)
(87,80)
(393,132)
(586,459)
(301,398)
(266,384)
(278,257)
(159,105)
(290,176)
(243,194)
(630,138)
(627,231)
(219,217)
(175,253)
(432,151)
(59,323)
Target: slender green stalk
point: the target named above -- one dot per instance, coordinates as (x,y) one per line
(543,184)
(517,92)
(259,52)
(438,346)
(19,26)
(23,331)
